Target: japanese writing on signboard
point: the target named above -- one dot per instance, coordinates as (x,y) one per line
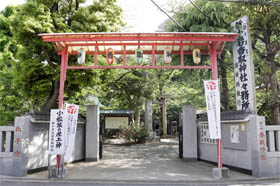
(243,67)
(212,95)
(71,123)
(57,129)
(204,134)
(261,138)
(18,139)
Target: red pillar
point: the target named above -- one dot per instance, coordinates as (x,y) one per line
(63,66)
(95,55)
(124,55)
(182,54)
(153,56)
(64,63)
(214,66)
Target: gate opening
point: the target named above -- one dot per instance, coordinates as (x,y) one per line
(139,44)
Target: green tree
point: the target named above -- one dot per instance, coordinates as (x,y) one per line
(11,101)
(216,18)
(39,66)
(129,89)
(265,28)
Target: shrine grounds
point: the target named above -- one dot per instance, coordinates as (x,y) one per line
(155,162)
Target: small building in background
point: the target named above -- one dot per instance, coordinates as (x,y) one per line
(111,120)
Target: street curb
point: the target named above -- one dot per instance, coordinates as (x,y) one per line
(162,182)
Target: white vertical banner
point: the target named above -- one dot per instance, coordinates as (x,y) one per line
(212,95)
(244,67)
(71,123)
(57,136)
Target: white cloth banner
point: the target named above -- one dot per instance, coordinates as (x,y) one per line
(71,120)
(212,95)
(57,130)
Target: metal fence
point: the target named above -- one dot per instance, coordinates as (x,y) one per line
(6,141)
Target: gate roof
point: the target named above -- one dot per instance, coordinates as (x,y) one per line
(131,41)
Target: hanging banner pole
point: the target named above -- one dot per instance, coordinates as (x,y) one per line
(214,66)
(64,64)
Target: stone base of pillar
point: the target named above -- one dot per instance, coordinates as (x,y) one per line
(56,173)
(152,134)
(220,173)
(91,160)
(189,159)
(152,137)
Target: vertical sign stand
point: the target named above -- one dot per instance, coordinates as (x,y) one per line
(57,140)
(244,67)
(221,171)
(64,63)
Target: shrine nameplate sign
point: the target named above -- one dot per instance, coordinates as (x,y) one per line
(244,67)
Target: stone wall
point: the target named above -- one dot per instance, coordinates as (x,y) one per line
(250,152)
(34,147)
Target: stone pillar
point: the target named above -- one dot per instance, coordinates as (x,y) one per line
(92,133)
(189,133)
(149,116)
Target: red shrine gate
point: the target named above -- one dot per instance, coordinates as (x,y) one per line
(178,43)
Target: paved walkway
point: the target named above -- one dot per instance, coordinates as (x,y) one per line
(156,161)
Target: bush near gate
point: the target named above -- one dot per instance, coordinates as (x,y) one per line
(134,133)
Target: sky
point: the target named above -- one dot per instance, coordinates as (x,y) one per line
(140,15)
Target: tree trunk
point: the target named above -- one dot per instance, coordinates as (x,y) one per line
(224,89)
(137,115)
(52,99)
(274,93)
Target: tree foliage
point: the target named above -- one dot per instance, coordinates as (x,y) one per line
(12,101)
(38,67)
(264,24)
(30,69)
(265,31)
(216,18)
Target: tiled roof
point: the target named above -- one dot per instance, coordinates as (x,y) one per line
(228,116)
(45,116)
(117,112)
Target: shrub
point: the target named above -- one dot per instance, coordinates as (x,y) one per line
(134,133)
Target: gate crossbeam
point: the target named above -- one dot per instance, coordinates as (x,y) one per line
(182,43)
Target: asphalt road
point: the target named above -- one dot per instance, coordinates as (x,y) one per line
(102,183)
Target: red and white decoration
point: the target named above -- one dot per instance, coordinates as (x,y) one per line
(167,55)
(212,95)
(110,56)
(71,123)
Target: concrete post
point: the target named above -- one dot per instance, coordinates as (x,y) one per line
(149,116)
(189,133)
(92,133)
(15,163)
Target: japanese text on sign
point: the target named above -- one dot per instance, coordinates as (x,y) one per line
(204,134)
(212,96)
(57,132)
(18,139)
(261,139)
(243,67)
(71,120)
